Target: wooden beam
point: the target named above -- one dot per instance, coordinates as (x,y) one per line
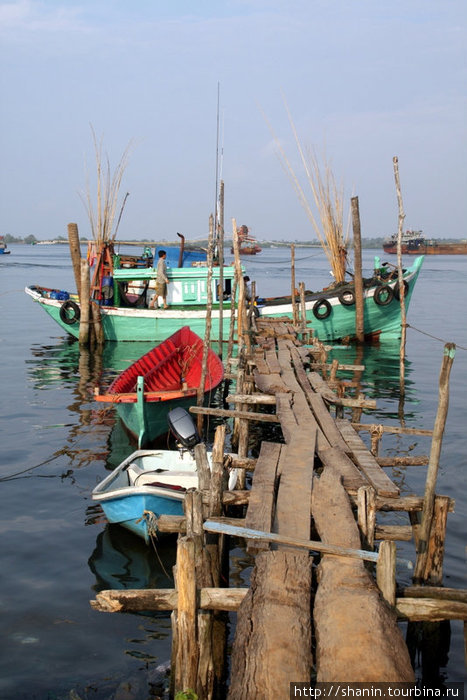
(310,545)
(135,600)
(430,609)
(225,413)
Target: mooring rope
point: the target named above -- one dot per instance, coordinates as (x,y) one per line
(286,261)
(434,337)
(151,523)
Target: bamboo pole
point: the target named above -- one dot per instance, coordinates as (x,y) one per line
(358,281)
(84,303)
(75,253)
(400,279)
(433,465)
(292,282)
(220,257)
(207,333)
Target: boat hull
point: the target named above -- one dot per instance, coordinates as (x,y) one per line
(155,325)
(147,484)
(130,505)
(148,422)
(429,249)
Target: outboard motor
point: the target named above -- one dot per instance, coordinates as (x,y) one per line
(182,426)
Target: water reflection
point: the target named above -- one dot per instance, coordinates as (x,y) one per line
(380,379)
(121,560)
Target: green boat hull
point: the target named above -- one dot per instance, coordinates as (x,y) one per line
(381,322)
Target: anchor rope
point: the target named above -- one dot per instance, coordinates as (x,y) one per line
(434,337)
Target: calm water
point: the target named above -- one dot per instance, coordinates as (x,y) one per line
(56,444)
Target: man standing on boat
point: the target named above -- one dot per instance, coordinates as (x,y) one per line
(161,281)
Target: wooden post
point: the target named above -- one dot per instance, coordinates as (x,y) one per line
(386,571)
(400,279)
(359,317)
(433,573)
(292,280)
(97,320)
(202,466)
(186,663)
(366,500)
(433,465)
(75,253)
(217,474)
(84,303)
(303,309)
(240,286)
(207,333)
(376,435)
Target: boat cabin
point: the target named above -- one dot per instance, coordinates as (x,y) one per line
(188,286)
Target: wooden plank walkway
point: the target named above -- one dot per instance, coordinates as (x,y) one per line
(312,507)
(265,620)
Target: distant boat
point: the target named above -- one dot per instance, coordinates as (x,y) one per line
(415,243)
(3,247)
(246,243)
(165,377)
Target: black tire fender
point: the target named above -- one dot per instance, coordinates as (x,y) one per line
(396,289)
(346,296)
(70,312)
(383,295)
(324,304)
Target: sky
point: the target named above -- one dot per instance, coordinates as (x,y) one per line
(200,90)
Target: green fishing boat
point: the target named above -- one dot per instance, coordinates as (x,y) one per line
(126,315)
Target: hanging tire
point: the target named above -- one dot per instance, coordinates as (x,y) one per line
(322,309)
(396,289)
(383,295)
(346,296)
(69,312)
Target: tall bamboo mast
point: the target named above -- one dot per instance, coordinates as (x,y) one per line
(207,334)
(220,258)
(400,278)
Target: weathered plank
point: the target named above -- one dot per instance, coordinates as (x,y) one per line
(266,654)
(367,462)
(349,613)
(269,383)
(325,421)
(293,505)
(272,361)
(285,415)
(352,478)
(318,384)
(260,513)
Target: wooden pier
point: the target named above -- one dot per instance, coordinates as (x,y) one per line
(323,603)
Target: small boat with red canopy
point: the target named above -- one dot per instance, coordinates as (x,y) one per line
(166,377)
